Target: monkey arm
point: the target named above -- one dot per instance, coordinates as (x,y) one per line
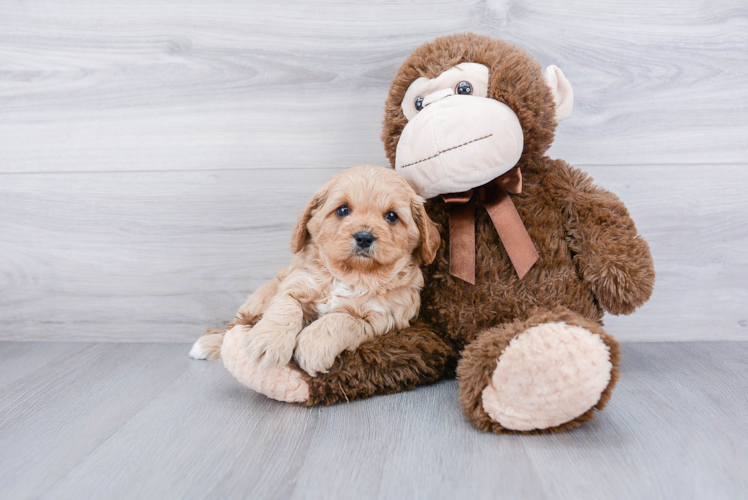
(608,252)
(394,362)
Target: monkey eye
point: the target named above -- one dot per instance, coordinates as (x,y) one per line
(343,211)
(464,88)
(391,217)
(418,103)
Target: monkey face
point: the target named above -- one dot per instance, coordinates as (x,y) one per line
(456,138)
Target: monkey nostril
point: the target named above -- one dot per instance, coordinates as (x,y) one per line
(364,239)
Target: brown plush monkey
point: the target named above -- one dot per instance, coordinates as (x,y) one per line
(514,300)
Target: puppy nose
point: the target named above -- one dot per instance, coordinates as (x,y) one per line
(364,239)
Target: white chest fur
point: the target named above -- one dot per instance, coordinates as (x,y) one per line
(339,293)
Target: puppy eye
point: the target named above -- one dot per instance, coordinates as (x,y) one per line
(464,88)
(343,211)
(391,217)
(418,103)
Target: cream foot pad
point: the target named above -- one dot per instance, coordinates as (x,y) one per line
(283,384)
(550,374)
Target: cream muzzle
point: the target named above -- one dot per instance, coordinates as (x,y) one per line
(452,142)
(456,142)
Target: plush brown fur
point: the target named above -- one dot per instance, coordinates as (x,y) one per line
(591,258)
(478,361)
(395,362)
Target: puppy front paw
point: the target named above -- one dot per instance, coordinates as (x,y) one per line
(317,347)
(269,345)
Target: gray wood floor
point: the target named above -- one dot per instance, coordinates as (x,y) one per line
(106,420)
(154,155)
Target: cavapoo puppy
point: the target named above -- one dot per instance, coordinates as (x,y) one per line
(358,246)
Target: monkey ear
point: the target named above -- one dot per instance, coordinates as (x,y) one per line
(300,233)
(430,238)
(563,94)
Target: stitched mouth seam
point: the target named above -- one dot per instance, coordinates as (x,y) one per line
(445,150)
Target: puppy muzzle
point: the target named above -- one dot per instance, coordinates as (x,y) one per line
(458,142)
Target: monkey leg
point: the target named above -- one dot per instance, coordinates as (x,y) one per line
(548,373)
(394,362)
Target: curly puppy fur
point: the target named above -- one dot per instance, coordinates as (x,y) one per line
(338,292)
(591,257)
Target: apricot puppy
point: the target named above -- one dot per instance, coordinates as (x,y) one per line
(358,246)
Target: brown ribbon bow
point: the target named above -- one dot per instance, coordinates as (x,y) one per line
(495,198)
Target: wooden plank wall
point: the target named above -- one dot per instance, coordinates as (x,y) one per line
(155,155)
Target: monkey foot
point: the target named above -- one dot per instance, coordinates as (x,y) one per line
(284,384)
(547,376)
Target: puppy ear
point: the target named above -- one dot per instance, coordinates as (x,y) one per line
(300,233)
(430,238)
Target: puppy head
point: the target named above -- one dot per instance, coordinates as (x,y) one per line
(367,218)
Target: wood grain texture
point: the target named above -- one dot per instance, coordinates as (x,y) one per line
(155,155)
(138,256)
(249,84)
(182,428)
(145,256)
(54,416)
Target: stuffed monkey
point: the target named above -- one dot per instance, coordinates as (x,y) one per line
(532,255)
